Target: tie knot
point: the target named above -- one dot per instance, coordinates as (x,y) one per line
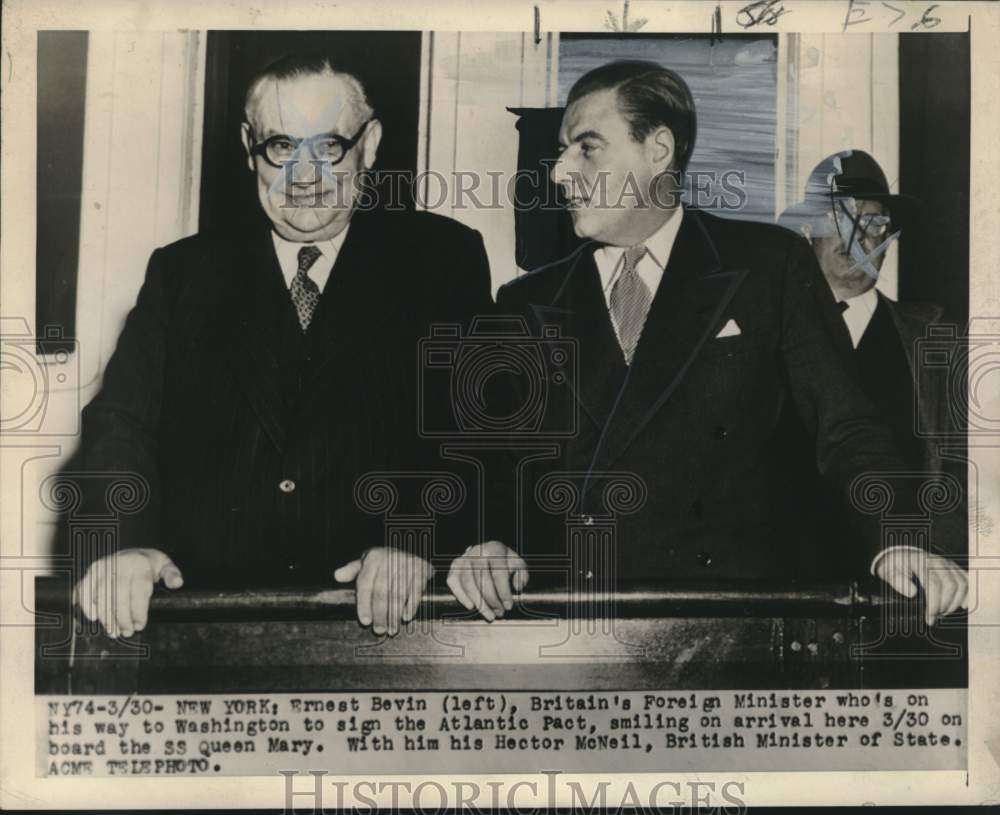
(633,254)
(307,257)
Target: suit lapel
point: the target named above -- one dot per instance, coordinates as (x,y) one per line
(580,311)
(361,294)
(261,306)
(686,310)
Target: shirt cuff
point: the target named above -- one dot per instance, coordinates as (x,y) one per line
(884,552)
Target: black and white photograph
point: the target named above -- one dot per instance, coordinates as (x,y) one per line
(495,395)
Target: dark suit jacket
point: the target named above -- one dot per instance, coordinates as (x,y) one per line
(214,395)
(929,424)
(696,416)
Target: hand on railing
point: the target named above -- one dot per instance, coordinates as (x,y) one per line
(945,584)
(389,584)
(482,578)
(116,589)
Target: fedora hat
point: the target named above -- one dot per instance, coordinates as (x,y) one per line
(847,174)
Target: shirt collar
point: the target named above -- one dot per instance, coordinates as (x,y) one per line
(859,313)
(288,255)
(660,244)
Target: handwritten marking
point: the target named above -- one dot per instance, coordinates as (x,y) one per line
(761,11)
(717,24)
(901,12)
(927,21)
(859,7)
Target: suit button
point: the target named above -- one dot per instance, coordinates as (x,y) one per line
(292,564)
(704,559)
(696,510)
(720,433)
(286,485)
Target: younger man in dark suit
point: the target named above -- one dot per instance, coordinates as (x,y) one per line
(693,332)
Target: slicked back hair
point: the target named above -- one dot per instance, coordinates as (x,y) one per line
(291,66)
(649,96)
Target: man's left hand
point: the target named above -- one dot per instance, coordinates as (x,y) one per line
(389,584)
(945,584)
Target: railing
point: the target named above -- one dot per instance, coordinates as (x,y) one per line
(636,637)
(835,600)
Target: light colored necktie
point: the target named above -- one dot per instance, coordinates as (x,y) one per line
(630,300)
(305,292)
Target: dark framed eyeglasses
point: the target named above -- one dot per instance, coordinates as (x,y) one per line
(328,147)
(870,225)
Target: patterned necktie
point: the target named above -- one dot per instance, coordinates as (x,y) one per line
(630,300)
(305,292)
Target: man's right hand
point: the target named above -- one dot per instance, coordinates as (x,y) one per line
(482,578)
(116,589)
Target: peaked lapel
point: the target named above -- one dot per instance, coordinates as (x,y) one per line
(580,310)
(911,322)
(361,295)
(686,310)
(261,306)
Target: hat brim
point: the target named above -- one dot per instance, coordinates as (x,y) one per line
(903,209)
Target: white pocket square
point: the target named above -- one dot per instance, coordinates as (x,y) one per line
(730,329)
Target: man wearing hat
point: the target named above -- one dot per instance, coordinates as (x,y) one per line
(851,219)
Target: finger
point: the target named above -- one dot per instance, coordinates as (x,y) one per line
(123,606)
(955,590)
(162,566)
(516,565)
(398,574)
(348,572)
(415,595)
(471,583)
(171,576)
(933,595)
(501,582)
(964,604)
(902,581)
(380,599)
(104,603)
(141,591)
(455,584)
(84,596)
(363,585)
(489,590)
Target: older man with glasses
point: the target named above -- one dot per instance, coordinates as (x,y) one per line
(264,370)
(851,219)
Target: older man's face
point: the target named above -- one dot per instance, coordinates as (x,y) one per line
(852,256)
(606,175)
(308,199)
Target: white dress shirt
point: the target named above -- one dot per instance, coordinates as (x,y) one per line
(288,257)
(859,313)
(610,260)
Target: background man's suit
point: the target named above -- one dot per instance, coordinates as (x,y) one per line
(253,434)
(886,365)
(696,415)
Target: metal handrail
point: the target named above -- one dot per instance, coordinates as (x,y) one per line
(630,601)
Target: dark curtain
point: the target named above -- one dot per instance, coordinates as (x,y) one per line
(934,115)
(62,84)
(387,62)
(543,230)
